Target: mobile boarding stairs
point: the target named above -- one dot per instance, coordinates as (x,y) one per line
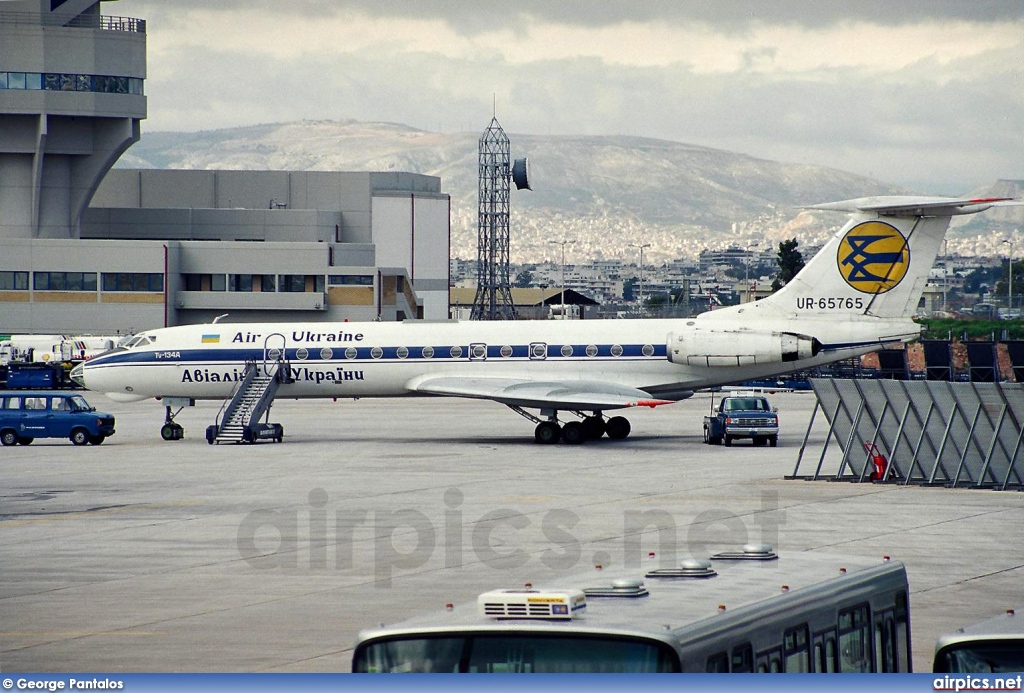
(238,420)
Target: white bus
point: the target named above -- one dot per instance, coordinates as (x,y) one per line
(993,646)
(745,611)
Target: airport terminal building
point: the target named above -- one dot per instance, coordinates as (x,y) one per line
(87,248)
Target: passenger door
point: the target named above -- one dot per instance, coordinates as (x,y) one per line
(60,418)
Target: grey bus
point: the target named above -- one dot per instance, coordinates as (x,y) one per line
(993,646)
(741,611)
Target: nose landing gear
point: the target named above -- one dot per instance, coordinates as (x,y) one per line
(171,430)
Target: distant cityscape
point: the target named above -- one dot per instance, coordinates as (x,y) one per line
(959,284)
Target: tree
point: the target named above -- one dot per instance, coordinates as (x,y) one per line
(790,261)
(1018,281)
(523,279)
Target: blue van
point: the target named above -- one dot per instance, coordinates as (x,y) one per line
(29,414)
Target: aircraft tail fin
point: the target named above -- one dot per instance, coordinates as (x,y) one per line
(878,263)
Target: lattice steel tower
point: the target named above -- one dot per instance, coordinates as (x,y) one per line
(493,288)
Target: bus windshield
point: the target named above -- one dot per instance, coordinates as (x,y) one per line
(993,657)
(501,653)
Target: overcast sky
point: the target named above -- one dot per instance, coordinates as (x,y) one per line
(924,93)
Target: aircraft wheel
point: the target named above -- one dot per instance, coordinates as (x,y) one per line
(617,427)
(25,440)
(8,438)
(547,432)
(573,433)
(593,426)
(171,431)
(773,441)
(79,436)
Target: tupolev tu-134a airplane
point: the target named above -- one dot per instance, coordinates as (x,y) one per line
(855,296)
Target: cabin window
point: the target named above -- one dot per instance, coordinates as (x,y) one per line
(506,351)
(351,353)
(302,354)
(591,350)
(855,640)
(514,653)
(402,352)
(376,353)
(566,350)
(769,662)
(428,352)
(616,350)
(796,646)
(825,652)
(456,352)
(718,663)
(902,633)
(327,353)
(743,659)
(648,350)
(885,641)
(538,350)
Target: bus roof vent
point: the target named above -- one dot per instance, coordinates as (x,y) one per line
(627,588)
(750,552)
(540,604)
(690,568)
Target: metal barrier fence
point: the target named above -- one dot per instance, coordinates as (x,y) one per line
(916,432)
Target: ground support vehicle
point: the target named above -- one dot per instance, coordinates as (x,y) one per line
(29,414)
(743,416)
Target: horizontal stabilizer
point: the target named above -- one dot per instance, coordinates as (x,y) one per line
(917,206)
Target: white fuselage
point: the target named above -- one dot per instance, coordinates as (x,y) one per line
(379,359)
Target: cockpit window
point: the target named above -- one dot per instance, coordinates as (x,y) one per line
(139,340)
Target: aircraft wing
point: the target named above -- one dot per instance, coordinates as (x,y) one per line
(573,394)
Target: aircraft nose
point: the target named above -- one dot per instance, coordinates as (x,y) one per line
(78,375)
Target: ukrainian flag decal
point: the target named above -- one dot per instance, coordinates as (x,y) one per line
(873,257)
(211,339)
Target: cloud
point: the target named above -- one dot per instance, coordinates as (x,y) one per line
(924,94)
(483,16)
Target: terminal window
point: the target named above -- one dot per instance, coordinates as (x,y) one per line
(64,281)
(350,280)
(133,281)
(104,84)
(13,281)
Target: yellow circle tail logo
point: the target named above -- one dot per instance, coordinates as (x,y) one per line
(873,257)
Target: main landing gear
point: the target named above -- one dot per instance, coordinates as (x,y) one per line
(171,430)
(592,427)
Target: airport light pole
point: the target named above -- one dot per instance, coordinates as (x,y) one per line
(641,247)
(1009,282)
(562,243)
(746,274)
(945,271)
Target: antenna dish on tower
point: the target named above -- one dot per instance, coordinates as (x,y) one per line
(521,174)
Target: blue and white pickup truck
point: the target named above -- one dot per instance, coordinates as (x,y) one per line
(742,416)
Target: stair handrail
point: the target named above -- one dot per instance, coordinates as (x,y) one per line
(263,404)
(247,377)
